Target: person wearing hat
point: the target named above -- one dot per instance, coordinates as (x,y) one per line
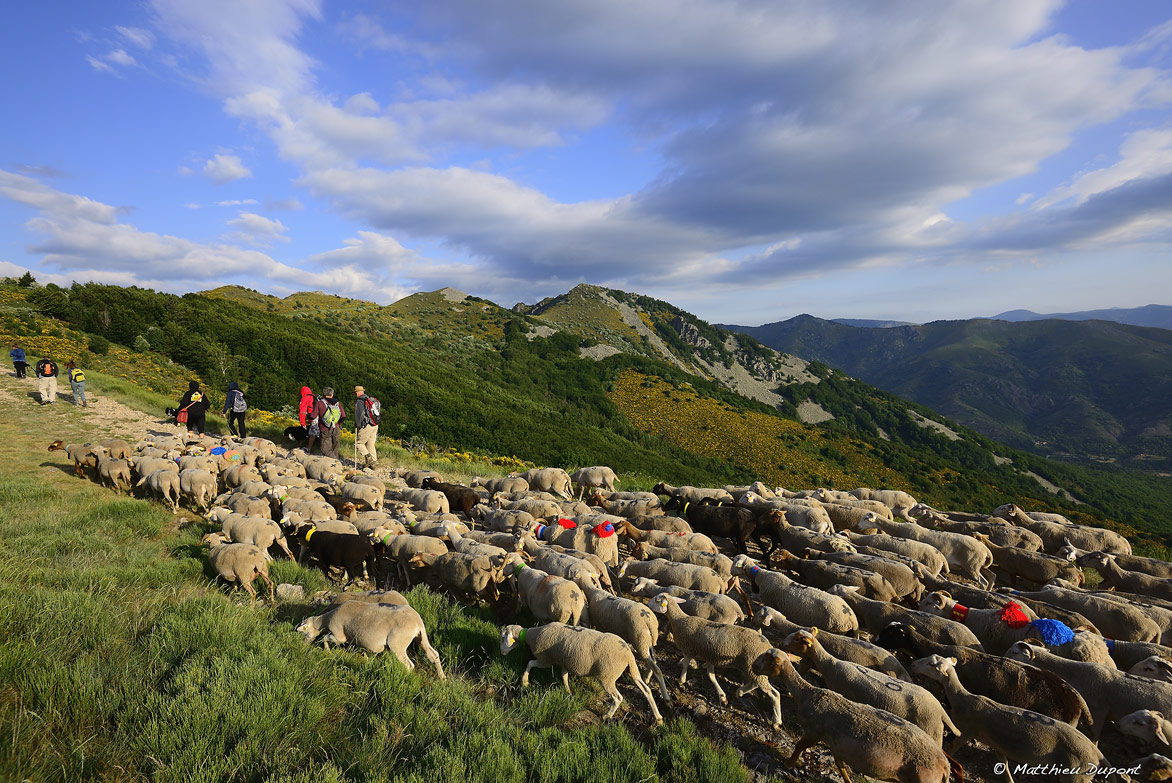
(367,414)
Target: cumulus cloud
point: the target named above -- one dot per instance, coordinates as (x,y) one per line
(256,229)
(222,168)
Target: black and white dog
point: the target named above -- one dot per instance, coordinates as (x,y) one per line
(298,435)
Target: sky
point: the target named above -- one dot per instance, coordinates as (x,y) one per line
(746,161)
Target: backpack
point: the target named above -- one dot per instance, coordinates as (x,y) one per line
(239,405)
(374,410)
(332,415)
(76,376)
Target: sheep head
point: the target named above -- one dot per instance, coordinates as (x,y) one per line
(935,667)
(662,601)
(511,636)
(1146,725)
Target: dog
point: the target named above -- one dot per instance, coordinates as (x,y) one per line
(298,435)
(171,413)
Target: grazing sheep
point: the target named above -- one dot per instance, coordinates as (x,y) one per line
(716,645)
(115,473)
(536,507)
(199,485)
(242,503)
(258,531)
(553,480)
(145,465)
(1109,693)
(598,476)
(866,739)
(466,574)
(374,627)
(392,597)
(877,615)
(631,621)
(965,555)
(1011,732)
(240,563)
(582,652)
(549,597)
(662,522)
(708,606)
(807,606)
(842,647)
(165,484)
(236,475)
(354,554)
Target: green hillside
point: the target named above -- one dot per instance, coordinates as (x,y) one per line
(1083,391)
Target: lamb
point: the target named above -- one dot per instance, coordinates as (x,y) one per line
(697,541)
(716,645)
(598,476)
(374,627)
(1109,693)
(549,597)
(721,564)
(925,554)
(1154,667)
(1055,535)
(965,555)
(241,563)
(631,621)
(692,494)
(1011,732)
(1117,578)
(901,577)
(165,484)
(1033,566)
(691,577)
(807,606)
(989,625)
(824,575)
(1144,565)
(1008,682)
(506,484)
(460,498)
(877,615)
(708,606)
(115,473)
(900,503)
(842,647)
(860,737)
(261,533)
(1115,620)
(199,485)
(582,652)
(553,480)
(866,686)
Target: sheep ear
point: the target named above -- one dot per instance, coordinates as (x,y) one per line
(1160,735)
(814,631)
(951,660)
(946,594)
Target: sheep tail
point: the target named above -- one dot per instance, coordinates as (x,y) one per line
(956,770)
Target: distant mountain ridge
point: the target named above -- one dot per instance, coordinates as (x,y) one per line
(1159,316)
(1075,389)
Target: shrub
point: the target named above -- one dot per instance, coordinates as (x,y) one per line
(98,345)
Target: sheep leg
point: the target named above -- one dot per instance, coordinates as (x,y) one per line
(645,689)
(616,698)
(272,588)
(650,658)
(566,683)
(1005,763)
(712,676)
(800,747)
(401,654)
(685,663)
(525,676)
(842,770)
(430,652)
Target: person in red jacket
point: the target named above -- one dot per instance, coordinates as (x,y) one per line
(305,414)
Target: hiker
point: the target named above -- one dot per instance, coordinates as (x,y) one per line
(367,415)
(192,409)
(234,408)
(77,383)
(18,360)
(305,414)
(47,380)
(327,416)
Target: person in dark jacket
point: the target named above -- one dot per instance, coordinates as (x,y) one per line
(327,416)
(18,360)
(194,402)
(234,408)
(47,380)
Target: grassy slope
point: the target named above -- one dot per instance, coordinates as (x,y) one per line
(120,660)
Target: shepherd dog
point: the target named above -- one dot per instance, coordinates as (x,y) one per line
(298,435)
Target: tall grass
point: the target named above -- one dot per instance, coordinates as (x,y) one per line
(122,659)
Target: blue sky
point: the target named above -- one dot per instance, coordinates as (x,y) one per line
(746,161)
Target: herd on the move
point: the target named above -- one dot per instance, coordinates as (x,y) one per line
(1021,656)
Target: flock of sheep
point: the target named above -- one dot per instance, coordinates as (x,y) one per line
(891,624)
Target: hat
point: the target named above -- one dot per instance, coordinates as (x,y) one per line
(359,389)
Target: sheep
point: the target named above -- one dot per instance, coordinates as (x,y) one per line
(900,576)
(661,522)
(1005,681)
(999,532)
(598,476)
(860,737)
(807,606)
(842,647)
(117,448)
(254,487)
(1131,581)
(1127,654)
(361,491)
(1055,535)
(553,480)
(716,645)
(927,555)
(324,469)
(824,575)
(721,564)
(241,503)
(164,483)
(1085,646)
(988,625)
(199,462)
(115,473)
(1154,667)
(549,597)
(844,517)
(686,575)
(146,465)
(199,485)
(414,478)
(1158,610)
(392,597)
(593,563)
(1150,726)
(374,627)
(352,553)
(1115,620)
(309,510)
(812,517)
(1144,565)
(877,615)
(1109,693)
(899,502)
(631,621)
(559,564)
(866,686)
(697,541)
(506,541)
(463,573)
(698,603)
(539,509)
(261,533)
(596,536)
(1154,768)
(236,475)
(692,494)
(1011,732)
(582,652)
(733,522)
(506,484)
(1033,566)
(459,497)
(625,508)
(402,549)
(241,563)
(965,555)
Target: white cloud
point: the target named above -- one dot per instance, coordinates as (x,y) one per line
(236,202)
(143,39)
(98,65)
(120,57)
(1143,154)
(257,229)
(222,168)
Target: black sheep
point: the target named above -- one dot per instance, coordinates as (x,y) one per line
(354,554)
(460,498)
(733,522)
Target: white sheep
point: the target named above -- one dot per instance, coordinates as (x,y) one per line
(807,606)
(630,620)
(240,563)
(374,627)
